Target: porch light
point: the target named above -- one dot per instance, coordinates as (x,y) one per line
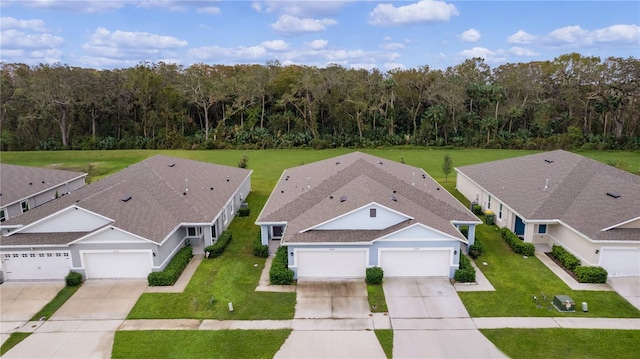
(597,251)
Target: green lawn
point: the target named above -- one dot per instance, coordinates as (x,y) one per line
(63,295)
(385,337)
(12,341)
(565,343)
(377,301)
(232,277)
(517,280)
(185,344)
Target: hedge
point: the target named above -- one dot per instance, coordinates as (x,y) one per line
(259,249)
(73,279)
(465,273)
(244,212)
(591,274)
(173,270)
(567,259)
(517,245)
(280,274)
(476,249)
(374,275)
(216,250)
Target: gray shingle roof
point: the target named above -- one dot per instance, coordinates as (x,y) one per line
(576,192)
(158,203)
(311,194)
(20,182)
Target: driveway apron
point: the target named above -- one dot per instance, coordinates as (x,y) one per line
(430,321)
(85,326)
(332,320)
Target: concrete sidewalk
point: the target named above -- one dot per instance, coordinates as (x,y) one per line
(264,284)
(482,284)
(558,322)
(568,279)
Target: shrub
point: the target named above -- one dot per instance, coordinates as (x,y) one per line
(244,212)
(259,249)
(465,273)
(280,274)
(591,274)
(565,258)
(216,250)
(517,245)
(73,279)
(243,161)
(374,275)
(477,209)
(476,249)
(173,270)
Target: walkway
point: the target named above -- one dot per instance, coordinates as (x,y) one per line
(181,283)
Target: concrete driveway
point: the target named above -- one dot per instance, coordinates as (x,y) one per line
(85,326)
(20,301)
(430,321)
(332,320)
(627,287)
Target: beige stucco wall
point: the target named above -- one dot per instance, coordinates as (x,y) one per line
(574,243)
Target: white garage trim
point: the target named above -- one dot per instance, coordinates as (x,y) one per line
(416,262)
(620,262)
(134,263)
(331,262)
(27,265)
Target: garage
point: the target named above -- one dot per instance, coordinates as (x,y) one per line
(36,265)
(331,263)
(421,262)
(117,264)
(621,262)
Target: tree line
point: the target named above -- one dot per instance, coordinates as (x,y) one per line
(572,101)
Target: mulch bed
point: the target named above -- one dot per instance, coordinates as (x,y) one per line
(553,258)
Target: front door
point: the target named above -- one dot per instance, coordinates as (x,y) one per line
(519,228)
(277,232)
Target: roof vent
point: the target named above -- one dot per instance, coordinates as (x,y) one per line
(613,194)
(379,162)
(126,199)
(171,164)
(330,197)
(43,182)
(393,198)
(227,178)
(337,163)
(548,161)
(30,183)
(343,199)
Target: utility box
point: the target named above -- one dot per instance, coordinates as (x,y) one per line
(564,303)
(585,307)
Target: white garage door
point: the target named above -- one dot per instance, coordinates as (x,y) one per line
(415,263)
(621,262)
(117,264)
(331,263)
(36,265)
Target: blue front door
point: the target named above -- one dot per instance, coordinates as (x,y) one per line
(519,229)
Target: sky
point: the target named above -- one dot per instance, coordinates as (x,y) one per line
(386,35)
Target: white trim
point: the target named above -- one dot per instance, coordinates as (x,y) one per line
(407,217)
(448,236)
(620,224)
(65,183)
(94,251)
(55,214)
(171,254)
(304,244)
(266,205)
(419,249)
(112,228)
(296,250)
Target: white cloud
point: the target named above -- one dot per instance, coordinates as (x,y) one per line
(423,11)
(312,8)
(237,54)
(567,34)
(392,46)
(393,65)
(489,56)
(13,39)
(31,57)
(212,10)
(121,44)
(275,45)
(73,6)
(318,44)
(287,24)
(257,6)
(521,37)
(7,23)
(521,51)
(629,34)
(471,35)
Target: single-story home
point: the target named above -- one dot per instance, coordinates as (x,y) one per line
(342,215)
(558,197)
(23,188)
(125,225)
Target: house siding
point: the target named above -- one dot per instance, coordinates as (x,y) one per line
(574,243)
(361,219)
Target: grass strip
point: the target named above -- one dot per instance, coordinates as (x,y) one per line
(377,301)
(385,337)
(63,295)
(13,340)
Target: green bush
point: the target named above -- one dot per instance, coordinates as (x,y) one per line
(73,279)
(259,249)
(591,274)
(244,212)
(565,258)
(173,270)
(477,209)
(374,275)
(465,273)
(216,250)
(516,244)
(476,249)
(280,274)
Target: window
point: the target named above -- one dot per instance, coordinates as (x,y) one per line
(224,216)
(24,255)
(231,206)
(542,229)
(7,255)
(58,254)
(192,232)
(66,254)
(41,255)
(372,212)
(25,206)
(32,255)
(49,254)
(489,203)
(277,231)
(500,212)
(15,256)
(3,215)
(213,231)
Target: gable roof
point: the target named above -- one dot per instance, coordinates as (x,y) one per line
(560,185)
(18,183)
(159,198)
(312,194)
